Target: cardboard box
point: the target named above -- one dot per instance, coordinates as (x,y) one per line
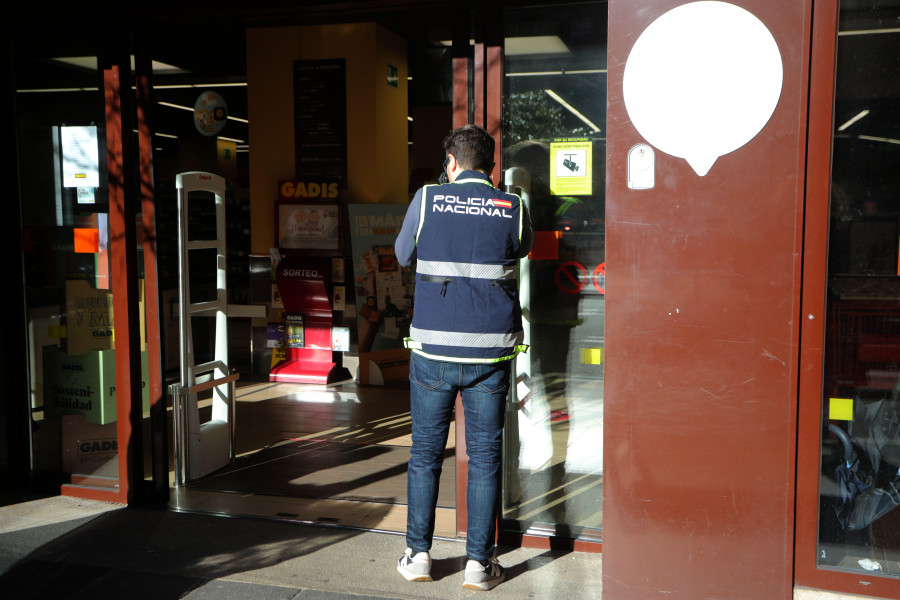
(377,368)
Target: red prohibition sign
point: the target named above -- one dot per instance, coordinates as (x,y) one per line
(565,275)
(600,272)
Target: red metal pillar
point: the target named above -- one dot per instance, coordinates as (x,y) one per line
(702,335)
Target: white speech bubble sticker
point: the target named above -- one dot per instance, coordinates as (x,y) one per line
(702,80)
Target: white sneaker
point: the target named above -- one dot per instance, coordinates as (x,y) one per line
(479,577)
(415,567)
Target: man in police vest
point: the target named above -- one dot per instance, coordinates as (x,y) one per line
(466,237)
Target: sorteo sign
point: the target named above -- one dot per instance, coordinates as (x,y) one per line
(302,273)
(292,190)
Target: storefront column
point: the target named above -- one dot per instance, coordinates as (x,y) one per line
(703,303)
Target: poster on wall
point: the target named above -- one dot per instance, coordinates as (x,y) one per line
(320,120)
(384,290)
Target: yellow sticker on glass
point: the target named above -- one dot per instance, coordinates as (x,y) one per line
(592,356)
(840,409)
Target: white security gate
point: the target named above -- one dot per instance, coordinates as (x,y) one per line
(201,448)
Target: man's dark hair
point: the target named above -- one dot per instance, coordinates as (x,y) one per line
(472,146)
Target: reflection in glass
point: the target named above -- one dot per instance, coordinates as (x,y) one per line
(554,152)
(859,523)
(68,291)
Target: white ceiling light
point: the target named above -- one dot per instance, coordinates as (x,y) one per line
(90,62)
(191,109)
(529,45)
(869,31)
(545,73)
(572,109)
(179,106)
(859,116)
(872,138)
(538,44)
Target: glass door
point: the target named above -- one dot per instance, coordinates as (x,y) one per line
(86,302)
(859,479)
(554,138)
(65,209)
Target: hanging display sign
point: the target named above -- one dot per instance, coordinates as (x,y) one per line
(210,113)
(80,159)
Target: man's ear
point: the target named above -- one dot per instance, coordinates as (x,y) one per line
(453,167)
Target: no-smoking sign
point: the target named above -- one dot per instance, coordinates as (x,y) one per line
(600,278)
(571,277)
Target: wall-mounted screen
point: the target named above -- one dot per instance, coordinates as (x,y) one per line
(305,228)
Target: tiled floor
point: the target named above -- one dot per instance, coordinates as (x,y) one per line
(325,454)
(338,454)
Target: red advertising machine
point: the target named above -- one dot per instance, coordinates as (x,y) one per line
(309,234)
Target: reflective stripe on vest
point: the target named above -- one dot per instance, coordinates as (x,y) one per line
(456,269)
(467,340)
(417,348)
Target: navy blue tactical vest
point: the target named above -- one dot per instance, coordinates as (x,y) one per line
(467,301)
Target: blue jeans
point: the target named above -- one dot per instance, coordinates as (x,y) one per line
(433,389)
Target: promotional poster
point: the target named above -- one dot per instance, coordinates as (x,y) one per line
(384,290)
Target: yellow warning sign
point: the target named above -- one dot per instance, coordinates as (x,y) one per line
(571,166)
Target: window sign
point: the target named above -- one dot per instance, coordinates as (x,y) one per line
(571,161)
(80,157)
(85,195)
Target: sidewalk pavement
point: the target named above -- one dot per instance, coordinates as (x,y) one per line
(60,548)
